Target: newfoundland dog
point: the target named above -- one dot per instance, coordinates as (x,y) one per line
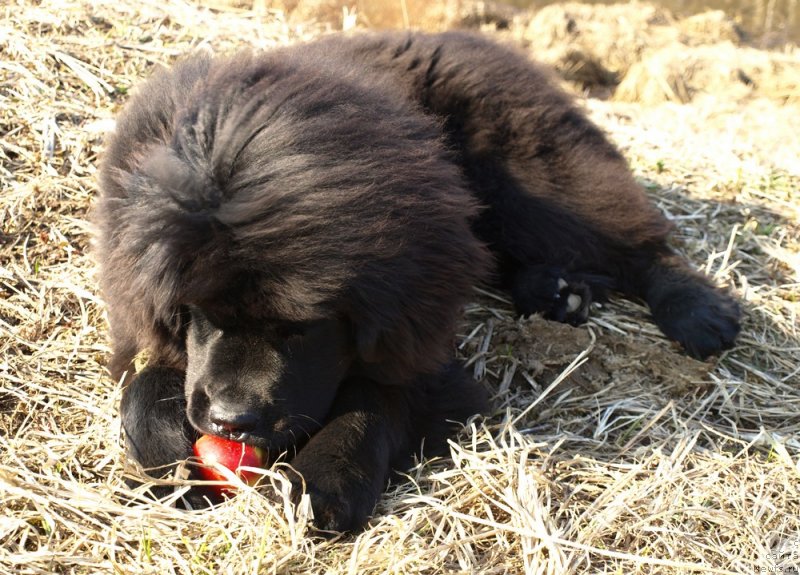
(290,237)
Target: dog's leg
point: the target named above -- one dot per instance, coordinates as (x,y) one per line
(153,410)
(346,464)
(157,432)
(374,429)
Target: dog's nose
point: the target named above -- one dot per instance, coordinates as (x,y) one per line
(231,419)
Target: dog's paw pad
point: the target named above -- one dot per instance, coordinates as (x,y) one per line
(574,302)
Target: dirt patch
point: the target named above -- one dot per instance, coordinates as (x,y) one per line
(544,349)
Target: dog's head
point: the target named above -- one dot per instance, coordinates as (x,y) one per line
(268,383)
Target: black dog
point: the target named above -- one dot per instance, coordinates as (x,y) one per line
(292,235)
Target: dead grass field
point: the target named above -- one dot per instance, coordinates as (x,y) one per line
(607,450)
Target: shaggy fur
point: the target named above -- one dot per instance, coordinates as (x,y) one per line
(291,236)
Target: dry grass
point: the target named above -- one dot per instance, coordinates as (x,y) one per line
(680,73)
(614,35)
(607,450)
(640,52)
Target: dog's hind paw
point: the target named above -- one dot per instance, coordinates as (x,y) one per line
(702,319)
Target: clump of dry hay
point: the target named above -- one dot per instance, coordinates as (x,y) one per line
(641,53)
(678,73)
(709,27)
(607,449)
(594,46)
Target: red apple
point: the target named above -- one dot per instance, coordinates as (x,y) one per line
(230,454)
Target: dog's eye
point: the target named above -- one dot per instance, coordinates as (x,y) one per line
(291,329)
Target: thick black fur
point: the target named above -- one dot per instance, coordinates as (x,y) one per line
(291,236)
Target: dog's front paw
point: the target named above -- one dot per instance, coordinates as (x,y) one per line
(333,510)
(341,499)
